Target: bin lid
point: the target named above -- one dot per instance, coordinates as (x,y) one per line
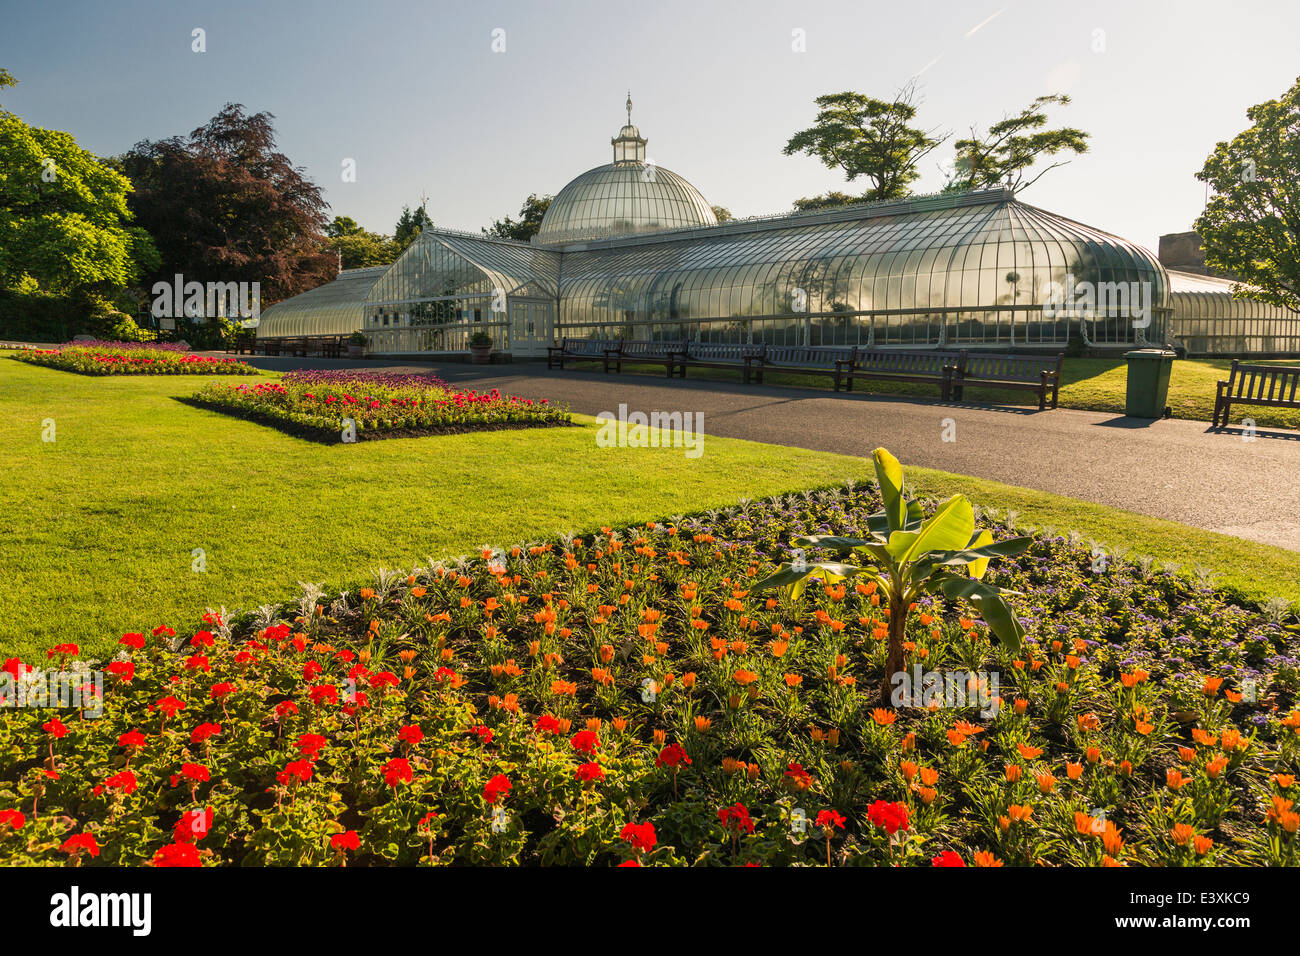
(1150,354)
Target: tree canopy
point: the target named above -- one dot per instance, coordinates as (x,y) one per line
(827,200)
(529,221)
(65,224)
(868,138)
(1011,147)
(409,226)
(224,205)
(1251,225)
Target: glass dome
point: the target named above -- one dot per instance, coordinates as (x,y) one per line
(628,197)
(623,199)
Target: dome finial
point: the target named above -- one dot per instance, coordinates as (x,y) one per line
(629,145)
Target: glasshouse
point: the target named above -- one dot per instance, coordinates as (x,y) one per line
(632,250)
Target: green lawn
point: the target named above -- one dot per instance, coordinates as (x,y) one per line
(1086,383)
(98,528)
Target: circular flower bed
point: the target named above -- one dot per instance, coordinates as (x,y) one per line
(627,698)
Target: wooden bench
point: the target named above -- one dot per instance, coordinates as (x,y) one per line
(721,355)
(1033,373)
(668,354)
(899,365)
(1269,386)
(806,360)
(586,350)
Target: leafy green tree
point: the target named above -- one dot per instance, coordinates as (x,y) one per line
(825,201)
(409,226)
(868,138)
(358,248)
(529,221)
(1006,153)
(908,555)
(343,226)
(1251,225)
(722,213)
(65,225)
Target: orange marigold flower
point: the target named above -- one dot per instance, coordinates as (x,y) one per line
(883,717)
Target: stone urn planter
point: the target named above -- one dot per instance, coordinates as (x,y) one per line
(480,348)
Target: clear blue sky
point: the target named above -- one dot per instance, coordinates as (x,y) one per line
(415,94)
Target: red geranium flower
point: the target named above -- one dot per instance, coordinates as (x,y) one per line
(194,772)
(484,734)
(299,769)
(309,745)
(948,858)
(13,818)
(55,728)
(132,738)
(82,841)
(890,817)
(411,733)
(221,690)
(124,781)
(547,724)
(203,731)
(640,835)
(397,770)
(585,741)
(495,788)
(828,819)
(123,670)
(62,649)
(324,693)
(169,706)
(177,854)
(193,825)
(133,641)
(671,756)
(588,772)
(348,840)
(736,817)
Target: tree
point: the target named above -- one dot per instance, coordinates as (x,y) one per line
(868,138)
(409,226)
(825,201)
(722,213)
(224,205)
(1251,225)
(343,226)
(529,221)
(358,248)
(65,225)
(1006,153)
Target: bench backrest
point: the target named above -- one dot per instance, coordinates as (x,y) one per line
(646,347)
(807,356)
(722,352)
(904,362)
(590,346)
(1269,383)
(1009,368)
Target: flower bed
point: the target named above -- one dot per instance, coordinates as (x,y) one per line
(377,404)
(132,358)
(627,696)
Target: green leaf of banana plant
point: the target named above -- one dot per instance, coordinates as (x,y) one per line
(889,476)
(989,601)
(948,529)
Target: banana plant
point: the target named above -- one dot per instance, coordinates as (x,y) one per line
(908,555)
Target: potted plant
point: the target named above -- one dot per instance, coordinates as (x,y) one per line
(357,345)
(480,347)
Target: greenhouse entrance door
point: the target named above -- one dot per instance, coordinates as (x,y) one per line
(532,324)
